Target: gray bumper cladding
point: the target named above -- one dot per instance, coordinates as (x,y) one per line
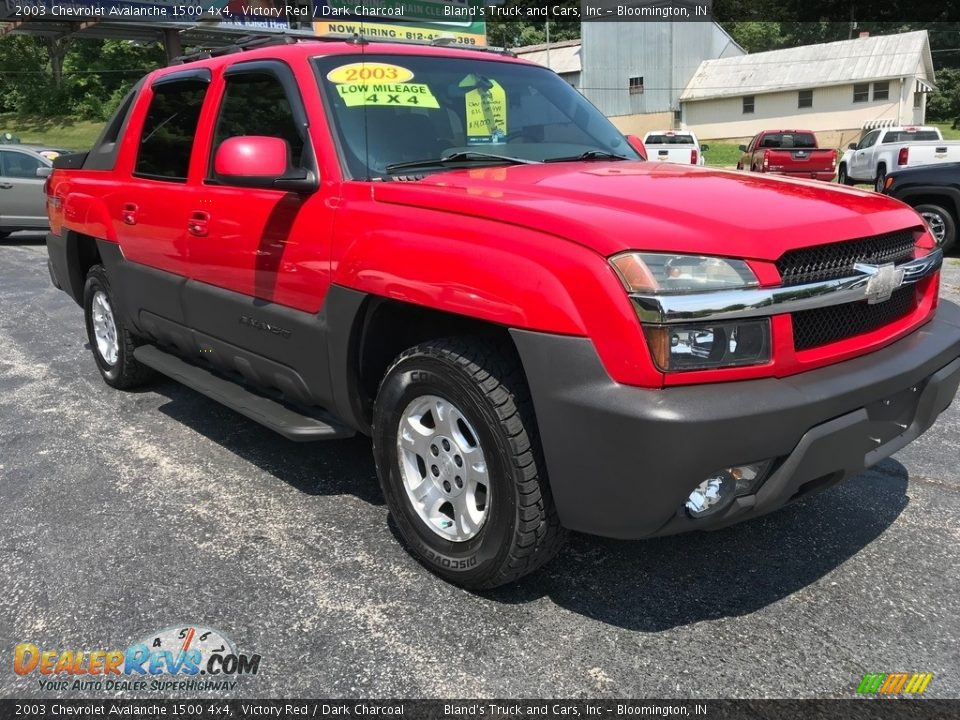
(622,460)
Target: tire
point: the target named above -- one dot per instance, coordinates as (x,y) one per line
(942,225)
(115,361)
(881,176)
(481,383)
(842,176)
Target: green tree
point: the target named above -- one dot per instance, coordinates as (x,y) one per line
(945,104)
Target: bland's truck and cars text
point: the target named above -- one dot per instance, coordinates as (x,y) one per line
(534,324)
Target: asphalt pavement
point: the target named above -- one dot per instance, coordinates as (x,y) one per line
(126,513)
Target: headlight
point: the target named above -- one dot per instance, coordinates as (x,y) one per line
(663,273)
(704,346)
(696,346)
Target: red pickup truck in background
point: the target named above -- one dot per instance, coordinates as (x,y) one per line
(454,253)
(788,152)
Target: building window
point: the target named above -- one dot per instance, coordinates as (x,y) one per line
(805,99)
(861,93)
(881,91)
(918,99)
(636,85)
(748,104)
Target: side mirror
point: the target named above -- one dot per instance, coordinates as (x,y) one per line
(704,147)
(260,161)
(852,146)
(637,144)
(44,172)
(743,148)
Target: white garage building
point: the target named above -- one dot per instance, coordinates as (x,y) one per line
(835,89)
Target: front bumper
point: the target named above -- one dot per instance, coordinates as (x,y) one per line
(622,460)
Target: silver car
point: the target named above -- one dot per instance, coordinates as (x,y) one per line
(23,206)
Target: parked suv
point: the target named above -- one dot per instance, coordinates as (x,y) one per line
(455,253)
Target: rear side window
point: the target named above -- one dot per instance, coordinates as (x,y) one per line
(789,140)
(166,140)
(19,165)
(669,140)
(255,103)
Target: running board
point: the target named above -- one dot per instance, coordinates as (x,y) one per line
(275,415)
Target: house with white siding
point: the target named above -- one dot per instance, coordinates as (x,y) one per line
(836,89)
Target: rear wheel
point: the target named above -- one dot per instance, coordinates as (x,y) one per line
(941,224)
(110,341)
(458,457)
(881,176)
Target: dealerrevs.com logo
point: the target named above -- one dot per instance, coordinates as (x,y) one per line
(191,658)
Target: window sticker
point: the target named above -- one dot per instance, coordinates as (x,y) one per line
(380,84)
(397,94)
(369,72)
(486,110)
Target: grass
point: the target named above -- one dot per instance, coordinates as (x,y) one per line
(722,155)
(948,132)
(64,132)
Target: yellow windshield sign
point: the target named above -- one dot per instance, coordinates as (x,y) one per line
(395,94)
(486,110)
(369,72)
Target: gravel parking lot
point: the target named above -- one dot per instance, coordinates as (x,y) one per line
(126,513)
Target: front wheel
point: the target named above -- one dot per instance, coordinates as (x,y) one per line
(842,176)
(459,461)
(112,344)
(941,224)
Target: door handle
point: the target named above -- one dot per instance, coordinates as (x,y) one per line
(197,225)
(129,214)
(6,186)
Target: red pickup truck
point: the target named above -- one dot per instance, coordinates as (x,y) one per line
(453,252)
(788,152)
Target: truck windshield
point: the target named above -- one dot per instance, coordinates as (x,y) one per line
(393,114)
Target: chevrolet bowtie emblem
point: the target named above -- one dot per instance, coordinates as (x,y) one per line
(882,280)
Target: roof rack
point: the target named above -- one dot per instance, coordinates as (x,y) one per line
(259,41)
(249,43)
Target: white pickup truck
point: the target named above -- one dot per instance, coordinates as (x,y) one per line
(675,147)
(887,149)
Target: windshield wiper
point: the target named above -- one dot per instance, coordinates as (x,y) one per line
(457,157)
(590,155)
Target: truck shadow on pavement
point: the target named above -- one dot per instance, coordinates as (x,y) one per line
(339,467)
(658,584)
(645,585)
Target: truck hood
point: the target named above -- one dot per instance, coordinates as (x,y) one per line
(615,206)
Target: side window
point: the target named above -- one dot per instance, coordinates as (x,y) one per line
(168,130)
(255,103)
(870,140)
(19,165)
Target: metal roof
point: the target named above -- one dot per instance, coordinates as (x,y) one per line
(877,57)
(561,57)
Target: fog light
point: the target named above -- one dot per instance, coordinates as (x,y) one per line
(718,492)
(712,495)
